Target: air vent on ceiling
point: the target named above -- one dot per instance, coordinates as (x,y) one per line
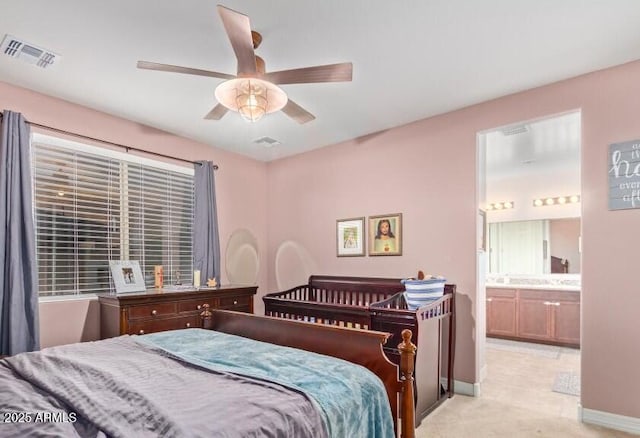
(267,142)
(515,129)
(28,52)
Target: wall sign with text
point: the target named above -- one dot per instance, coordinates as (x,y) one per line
(624,175)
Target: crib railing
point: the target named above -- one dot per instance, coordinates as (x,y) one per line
(346,308)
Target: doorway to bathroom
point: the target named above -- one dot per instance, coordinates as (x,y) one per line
(530,260)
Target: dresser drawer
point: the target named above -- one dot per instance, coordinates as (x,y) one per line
(234,302)
(195,304)
(141,327)
(151,310)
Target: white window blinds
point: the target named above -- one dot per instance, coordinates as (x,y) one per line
(92,207)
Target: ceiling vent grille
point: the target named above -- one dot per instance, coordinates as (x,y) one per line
(515,129)
(27,52)
(267,142)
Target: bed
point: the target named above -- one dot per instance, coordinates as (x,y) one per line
(239,375)
(378,304)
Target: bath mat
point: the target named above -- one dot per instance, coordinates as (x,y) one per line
(567,383)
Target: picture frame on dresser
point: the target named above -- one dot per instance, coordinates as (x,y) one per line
(127,276)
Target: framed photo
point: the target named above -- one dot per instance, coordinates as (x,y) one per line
(385,234)
(350,237)
(127,276)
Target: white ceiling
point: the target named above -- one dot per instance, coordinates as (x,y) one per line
(534,147)
(411,59)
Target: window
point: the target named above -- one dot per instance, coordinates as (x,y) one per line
(94,205)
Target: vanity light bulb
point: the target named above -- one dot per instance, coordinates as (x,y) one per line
(537,202)
(508,205)
(498,205)
(490,207)
(549,201)
(574,199)
(562,200)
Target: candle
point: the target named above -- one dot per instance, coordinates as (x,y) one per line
(159,277)
(196,278)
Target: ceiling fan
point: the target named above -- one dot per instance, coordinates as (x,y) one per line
(254,92)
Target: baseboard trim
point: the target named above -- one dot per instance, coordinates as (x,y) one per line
(464,388)
(612,421)
(483,372)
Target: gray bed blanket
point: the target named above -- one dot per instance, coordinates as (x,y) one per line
(121,388)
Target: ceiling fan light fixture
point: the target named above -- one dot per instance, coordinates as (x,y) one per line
(251,97)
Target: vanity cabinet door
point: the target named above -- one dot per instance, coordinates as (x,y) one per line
(566,320)
(501,312)
(534,320)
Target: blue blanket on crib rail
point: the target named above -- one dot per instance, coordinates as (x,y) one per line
(352,400)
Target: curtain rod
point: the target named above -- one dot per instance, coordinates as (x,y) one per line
(127,148)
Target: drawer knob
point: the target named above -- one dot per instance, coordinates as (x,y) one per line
(154,312)
(199,307)
(188,324)
(235,302)
(141,332)
(489,299)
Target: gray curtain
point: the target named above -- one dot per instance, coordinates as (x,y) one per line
(19,328)
(206,244)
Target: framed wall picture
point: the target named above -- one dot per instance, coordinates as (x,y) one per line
(385,234)
(127,276)
(350,239)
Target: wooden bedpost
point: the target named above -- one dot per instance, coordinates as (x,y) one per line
(205,315)
(407,406)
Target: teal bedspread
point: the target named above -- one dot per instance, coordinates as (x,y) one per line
(352,400)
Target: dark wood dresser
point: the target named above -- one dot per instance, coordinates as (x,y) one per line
(163,309)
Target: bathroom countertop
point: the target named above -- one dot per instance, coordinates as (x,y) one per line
(565,287)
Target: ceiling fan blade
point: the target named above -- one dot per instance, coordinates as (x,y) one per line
(297,113)
(321,73)
(238,29)
(177,69)
(217,112)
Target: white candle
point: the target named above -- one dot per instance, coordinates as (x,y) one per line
(196,278)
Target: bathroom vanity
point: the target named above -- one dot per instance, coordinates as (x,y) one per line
(535,311)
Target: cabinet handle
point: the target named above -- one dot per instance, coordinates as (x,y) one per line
(551,303)
(235,302)
(141,332)
(489,299)
(188,324)
(154,312)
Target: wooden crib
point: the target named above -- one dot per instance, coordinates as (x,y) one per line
(379,304)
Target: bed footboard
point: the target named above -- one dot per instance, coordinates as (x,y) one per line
(363,347)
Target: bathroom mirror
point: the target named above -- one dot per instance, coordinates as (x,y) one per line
(242,262)
(547,246)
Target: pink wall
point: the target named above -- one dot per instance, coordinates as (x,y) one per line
(240,187)
(427,171)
